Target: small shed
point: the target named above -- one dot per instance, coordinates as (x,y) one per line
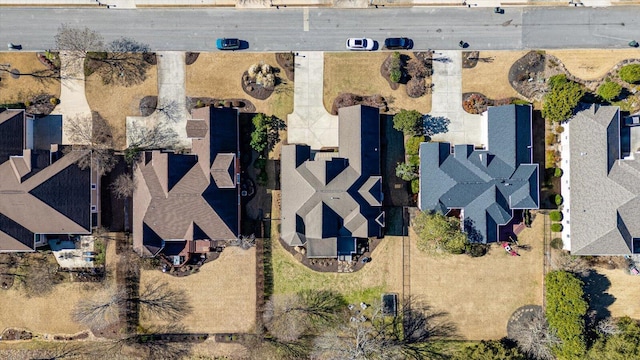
(390,304)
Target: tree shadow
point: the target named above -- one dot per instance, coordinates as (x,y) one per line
(433,125)
(473,234)
(595,290)
(442,59)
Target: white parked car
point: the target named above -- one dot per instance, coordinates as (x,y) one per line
(360,44)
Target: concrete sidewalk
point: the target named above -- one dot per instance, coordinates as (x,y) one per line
(446,100)
(73,100)
(310,123)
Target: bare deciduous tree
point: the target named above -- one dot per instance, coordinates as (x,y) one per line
(121,68)
(169,110)
(123,186)
(127,45)
(38,277)
(94,135)
(608,326)
(79,41)
(577,265)
(157,136)
(159,300)
(101,310)
(162,342)
(534,336)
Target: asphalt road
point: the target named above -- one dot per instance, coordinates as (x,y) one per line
(327,29)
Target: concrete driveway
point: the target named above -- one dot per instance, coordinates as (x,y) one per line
(446,100)
(310,123)
(73,101)
(171,110)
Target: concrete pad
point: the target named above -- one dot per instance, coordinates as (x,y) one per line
(446,100)
(73,101)
(310,123)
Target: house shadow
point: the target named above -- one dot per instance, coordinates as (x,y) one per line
(595,290)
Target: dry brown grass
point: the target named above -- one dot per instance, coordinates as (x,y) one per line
(491,75)
(222,293)
(480,294)
(592,64)
(219,76)
(359,73)
(115,102)
(19,90)
(625,289)
(49,314)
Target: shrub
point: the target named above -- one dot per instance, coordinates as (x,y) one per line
(558,199)
(630,73)
(475,104)
(27,103)
(407,121)
(416,87)
(476,249)
(550,159)
(519,102)
(558,172)
(414,160)
(556,243)
(555,215)
(417,69)
(439,231)
(395,68)
(260,163)
(551,139)
(406,171)
(262,178)
(556,227)
(54,101)
(395,75)
(609,90)
(563,98)
(559,129)
(413,145)
(557,80)
(415,186)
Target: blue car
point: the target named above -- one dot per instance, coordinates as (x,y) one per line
(228,44)
(400,43)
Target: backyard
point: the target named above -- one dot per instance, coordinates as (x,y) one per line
(359,73)
(21,89)
(222,293)
(480,294)
(219,76)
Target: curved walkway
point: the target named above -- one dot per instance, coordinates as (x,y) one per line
(446,100)
(73,101)
(310,123)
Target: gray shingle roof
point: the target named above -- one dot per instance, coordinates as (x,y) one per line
(327,200)
(487,184)
(604,202)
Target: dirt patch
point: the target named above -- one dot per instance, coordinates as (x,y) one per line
(481,294)
(477,103)
(16,334)
(114,102)
(358,73)
(222,293)
(24,87)
(190,57)
(219,76)
(286,61)
(489,74)
(344,100)
(527,75)
(243,105)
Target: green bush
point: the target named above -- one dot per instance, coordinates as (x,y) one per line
(54,101)
(556,227)
(556,243)
(413,145)
(395,69)
(406,171)
(520,102)
(557,80)
(559,129)
(262,178)
(99,248)
(476,249)
(408,121)
(415,186)
(558,172)
(609,90)
(555,215)
(558,199)
(414,160)
(395,75)
(630,73)
(260,163)
(563,98)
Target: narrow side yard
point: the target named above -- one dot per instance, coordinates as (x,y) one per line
(219,76)
(490,75)
(480,294)
(359,73)
(24,87)
(115,102)
(222,293)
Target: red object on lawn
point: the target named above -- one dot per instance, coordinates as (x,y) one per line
(509,249)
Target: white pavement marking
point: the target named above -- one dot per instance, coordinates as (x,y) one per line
(446,100)
(171,96)
(310,123)
(73,101)
(305,19)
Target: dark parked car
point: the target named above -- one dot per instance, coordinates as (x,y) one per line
(13,46)
(228,44)
(397,43)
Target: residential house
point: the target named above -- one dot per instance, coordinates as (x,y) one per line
(44,194)
(483,186)
(601,183)
(331,199)
(185,205)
